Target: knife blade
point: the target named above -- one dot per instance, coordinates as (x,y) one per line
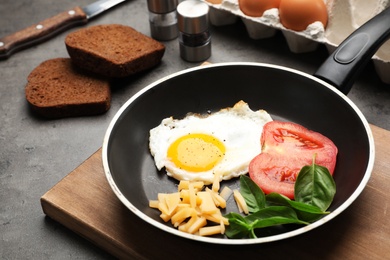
(48,28)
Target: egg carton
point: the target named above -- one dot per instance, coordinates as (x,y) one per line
(344,16)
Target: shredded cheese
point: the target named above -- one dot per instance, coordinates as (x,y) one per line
(207,206)
(153,204)
(226,192)
(211,230)
(194,207)
(216,181)
(242,206)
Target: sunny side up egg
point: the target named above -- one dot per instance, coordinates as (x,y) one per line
(199,146)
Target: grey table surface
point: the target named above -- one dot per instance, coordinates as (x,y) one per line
(36,153)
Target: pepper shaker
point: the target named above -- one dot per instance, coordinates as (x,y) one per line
(194,34)
(163,19)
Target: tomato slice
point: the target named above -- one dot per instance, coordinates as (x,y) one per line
(286,148)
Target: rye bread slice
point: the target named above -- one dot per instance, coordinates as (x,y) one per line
(113,50)
(57,89)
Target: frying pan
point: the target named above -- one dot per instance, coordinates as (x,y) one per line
(317,102)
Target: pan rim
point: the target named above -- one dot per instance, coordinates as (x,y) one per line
(224,241)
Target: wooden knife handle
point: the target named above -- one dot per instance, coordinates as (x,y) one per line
(41,31)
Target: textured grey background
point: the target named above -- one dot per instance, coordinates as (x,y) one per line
(35,154)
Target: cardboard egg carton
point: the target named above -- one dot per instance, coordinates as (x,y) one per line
(345,16)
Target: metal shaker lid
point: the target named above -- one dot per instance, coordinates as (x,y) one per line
(192,16)
(162,6)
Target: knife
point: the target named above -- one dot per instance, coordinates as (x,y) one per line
(48,28)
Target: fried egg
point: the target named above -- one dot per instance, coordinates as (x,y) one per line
(197,146)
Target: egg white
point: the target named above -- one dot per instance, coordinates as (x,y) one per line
(238,127)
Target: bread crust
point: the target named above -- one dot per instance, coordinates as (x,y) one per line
(57,89)
(113,50)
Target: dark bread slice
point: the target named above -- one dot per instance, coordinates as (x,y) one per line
(113,50)
(57,89)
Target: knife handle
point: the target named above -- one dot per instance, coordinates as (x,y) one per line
(41,31)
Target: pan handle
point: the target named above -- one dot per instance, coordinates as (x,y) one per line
(352,55)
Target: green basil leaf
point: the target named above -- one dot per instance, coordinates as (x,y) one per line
(315,186)
(305,212)
(276,199)
(238,226)
(273,215)
(253,195)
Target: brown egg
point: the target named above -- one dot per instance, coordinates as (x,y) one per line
(215,2)
(256,8)
(298,14)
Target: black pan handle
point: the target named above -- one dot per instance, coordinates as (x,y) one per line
(352,55)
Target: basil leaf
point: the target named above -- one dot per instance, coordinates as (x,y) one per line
(238,226)
(242,227)
(305,212)
(272,216)
(271,212)
(314,192)
(315,186)
(253,195)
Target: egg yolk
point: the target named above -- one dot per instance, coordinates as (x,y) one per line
(196,152)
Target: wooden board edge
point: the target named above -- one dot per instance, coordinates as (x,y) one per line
(65,217)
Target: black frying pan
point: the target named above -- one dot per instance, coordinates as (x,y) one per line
(285,93)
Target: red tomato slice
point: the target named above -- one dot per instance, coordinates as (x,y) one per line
(286,148)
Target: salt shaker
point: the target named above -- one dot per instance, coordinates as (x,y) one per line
(163,19)
(194,34)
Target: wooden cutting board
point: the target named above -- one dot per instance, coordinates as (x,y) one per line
(84,203)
